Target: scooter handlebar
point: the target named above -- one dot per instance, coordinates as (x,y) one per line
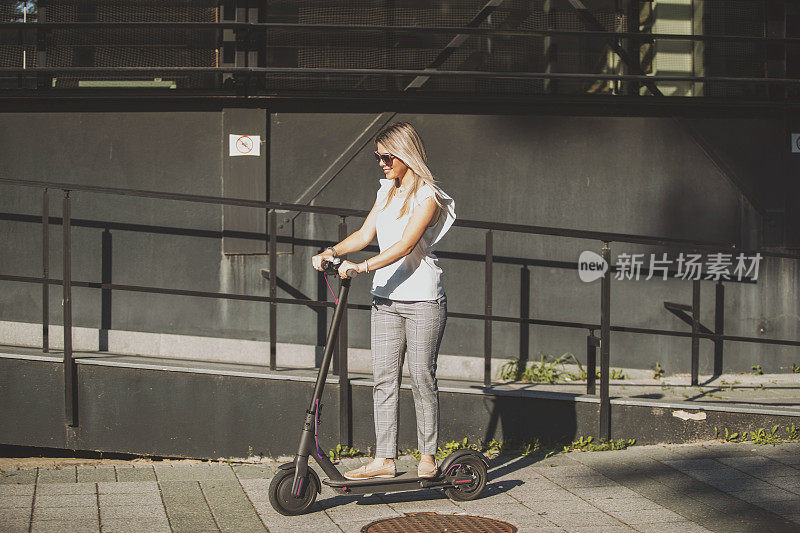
(332,267)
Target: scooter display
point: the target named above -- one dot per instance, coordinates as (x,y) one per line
(463,474)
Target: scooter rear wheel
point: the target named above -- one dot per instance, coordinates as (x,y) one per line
(282,499)
(474,468)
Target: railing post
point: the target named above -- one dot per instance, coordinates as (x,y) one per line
(345,400)
(591,362)
(273,289)
(45,272)
(70,370)
(605,335)
(105,294)
(487,324)
(524,313)
(719,327)
(695,331)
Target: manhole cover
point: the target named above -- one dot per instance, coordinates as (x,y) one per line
(438,523)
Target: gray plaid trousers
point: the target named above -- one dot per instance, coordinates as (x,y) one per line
(414,329)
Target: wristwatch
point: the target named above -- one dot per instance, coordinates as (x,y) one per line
(332,251)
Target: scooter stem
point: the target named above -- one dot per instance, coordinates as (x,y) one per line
(307,436)
(333,332)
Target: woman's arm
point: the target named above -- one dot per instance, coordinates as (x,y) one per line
(422,217)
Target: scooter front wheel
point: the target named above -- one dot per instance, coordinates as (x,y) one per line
(473,468)
(282,499)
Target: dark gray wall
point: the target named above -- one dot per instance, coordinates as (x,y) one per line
(187,414)
(644,175)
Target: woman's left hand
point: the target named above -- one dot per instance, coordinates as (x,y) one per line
(345,266)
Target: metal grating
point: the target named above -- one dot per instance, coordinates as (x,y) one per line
(403,51)
(734,17)
(437,523)
(106,48)
(132,47)
(131,10)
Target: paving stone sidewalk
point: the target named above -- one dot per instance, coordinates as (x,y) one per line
(688,488)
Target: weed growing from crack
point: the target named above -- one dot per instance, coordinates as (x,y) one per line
(658,372)
(549,370)
(589,444)
(341,452)
(761,435)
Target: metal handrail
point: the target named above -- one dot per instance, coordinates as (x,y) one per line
(467,223)
(639,36)
(605,327)
(410,72)
(590,326)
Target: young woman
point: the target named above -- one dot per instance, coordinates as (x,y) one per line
(409,307)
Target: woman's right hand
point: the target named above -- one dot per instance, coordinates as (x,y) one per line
(316,261)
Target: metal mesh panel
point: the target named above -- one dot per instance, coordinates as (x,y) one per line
(13,52)
(131,10)
(153,57)
(12,11)
(726,58)
(455,14)
(166,39)
(11,56)
(133,47)
(577,54)
(402,51)
(380,49)
(7,12)
(793,62)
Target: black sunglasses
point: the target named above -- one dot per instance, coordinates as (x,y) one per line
(387,159)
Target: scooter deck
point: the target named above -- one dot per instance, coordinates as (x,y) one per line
(402,477)
(403,481)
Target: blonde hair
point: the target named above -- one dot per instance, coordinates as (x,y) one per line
(402,141)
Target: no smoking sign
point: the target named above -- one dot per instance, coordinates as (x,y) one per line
(244,144)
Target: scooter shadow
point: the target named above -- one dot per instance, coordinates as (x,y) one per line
(492,488)
(499,467)
(384,498)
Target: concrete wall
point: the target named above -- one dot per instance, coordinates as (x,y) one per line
(633,174)
(219,415)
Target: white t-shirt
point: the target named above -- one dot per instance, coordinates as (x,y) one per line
(416,276)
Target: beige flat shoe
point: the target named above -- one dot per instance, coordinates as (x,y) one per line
(426,469)
(367,472)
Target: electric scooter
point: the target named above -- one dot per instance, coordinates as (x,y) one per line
(294,488)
